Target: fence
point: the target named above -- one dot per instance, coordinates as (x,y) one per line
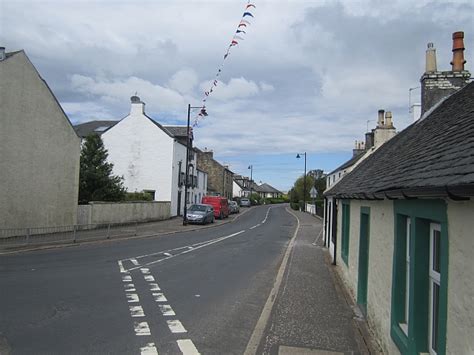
(314,209)
(21,237)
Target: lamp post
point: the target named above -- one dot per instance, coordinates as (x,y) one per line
(304,180)
(186,175)
(250,183)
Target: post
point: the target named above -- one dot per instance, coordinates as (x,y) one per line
(185,220)
(250,183)
(304,184)
(74,233)
(108,231)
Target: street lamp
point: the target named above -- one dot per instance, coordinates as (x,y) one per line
(250,183)
(304,180)
(188,131)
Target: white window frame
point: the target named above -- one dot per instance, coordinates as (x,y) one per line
(435,278)
(404,325)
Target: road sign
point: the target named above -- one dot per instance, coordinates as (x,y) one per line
(313,192)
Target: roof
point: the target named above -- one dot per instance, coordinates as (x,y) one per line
(433,157)
(84,129)
(266,188)
(177,131)
(348,163)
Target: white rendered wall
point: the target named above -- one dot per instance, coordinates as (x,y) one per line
(142,153)
(236,190)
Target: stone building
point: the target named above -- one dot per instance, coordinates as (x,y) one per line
(220,178)
(39,150)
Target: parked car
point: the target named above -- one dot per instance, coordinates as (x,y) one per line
(244,202)
(220,205)
(234,207)
(199,213)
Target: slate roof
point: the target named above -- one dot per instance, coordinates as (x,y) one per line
(348,163)
(177,131)
(266,188)
(433,157)
(84,129)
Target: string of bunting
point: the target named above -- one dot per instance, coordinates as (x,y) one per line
(240,31)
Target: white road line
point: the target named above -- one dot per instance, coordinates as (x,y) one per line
(154,287)
(149,278)
(136,311)
(266,216)
(189,248)
(126,278)
(141,328)
(176,326)
(168,254)
(134,261)
(166,310)
(132,297)
(257,334)
(122,269)
(159,297)
(149,349)
(187,347)
(129,287)
(253,227)
(145,270)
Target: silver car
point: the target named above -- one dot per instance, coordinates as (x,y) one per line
(234,207)
(199,213)
(244,202)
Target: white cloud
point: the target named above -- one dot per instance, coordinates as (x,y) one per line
(236,88)
(183,80)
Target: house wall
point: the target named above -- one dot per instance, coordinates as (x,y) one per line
(178,155)
(381,244)
(123,212)
(143,154)
(460,322)
(39,159)
(236,190)
(201,189)
(219,178)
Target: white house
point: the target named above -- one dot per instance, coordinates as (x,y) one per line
(151,157)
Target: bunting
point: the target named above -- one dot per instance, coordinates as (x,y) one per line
(243,23)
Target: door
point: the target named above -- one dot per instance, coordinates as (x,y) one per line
(179,203)
(363,259)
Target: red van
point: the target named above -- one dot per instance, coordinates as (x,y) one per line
(220,204)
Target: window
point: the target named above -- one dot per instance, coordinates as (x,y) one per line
(345,231)
(419,280)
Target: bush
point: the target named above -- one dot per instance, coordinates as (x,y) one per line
(295,206)
(137,196)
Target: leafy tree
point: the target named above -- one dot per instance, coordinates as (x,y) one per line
(96,182)
(298,188)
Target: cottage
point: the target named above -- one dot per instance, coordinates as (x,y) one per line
(219,176)
(403,223)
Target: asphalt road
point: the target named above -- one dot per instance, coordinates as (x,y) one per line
(200,291)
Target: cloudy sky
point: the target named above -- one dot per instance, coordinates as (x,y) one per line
(306,78)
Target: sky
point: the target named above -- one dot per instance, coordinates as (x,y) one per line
(306,78)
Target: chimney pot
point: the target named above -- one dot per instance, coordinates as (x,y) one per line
(380,121)
(388,119)
(2,53)
(458,51)
(430,59)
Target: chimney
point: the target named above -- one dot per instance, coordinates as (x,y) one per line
(388,119)
(458,51)
(358,148)
(430,59)
(2,53)
(436,85)
(380,121)
(138,107)
(369,140)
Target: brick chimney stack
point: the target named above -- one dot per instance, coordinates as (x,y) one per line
(458,51)
(436,85)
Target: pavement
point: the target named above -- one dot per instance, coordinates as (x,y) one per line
(312,314)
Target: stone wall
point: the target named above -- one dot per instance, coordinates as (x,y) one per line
(123,212)
(219,178)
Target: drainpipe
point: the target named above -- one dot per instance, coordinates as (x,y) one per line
(334,229)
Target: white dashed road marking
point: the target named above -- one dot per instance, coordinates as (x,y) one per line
(126,278)
(159,297)
(132,297)
(149,278)
(149,349)
(145,270)
(154,287)
(187,347)
(142,328)
(129,287)
(136,311)
(166,310)
(134,262)
(176,326)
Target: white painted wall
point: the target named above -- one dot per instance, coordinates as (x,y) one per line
(460,322)
(201,189)
(236,190)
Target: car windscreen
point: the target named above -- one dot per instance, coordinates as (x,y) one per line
(201,208)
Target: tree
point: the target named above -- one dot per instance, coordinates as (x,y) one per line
(96,182)
(298,188)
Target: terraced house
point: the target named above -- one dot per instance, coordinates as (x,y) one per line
(404,222)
